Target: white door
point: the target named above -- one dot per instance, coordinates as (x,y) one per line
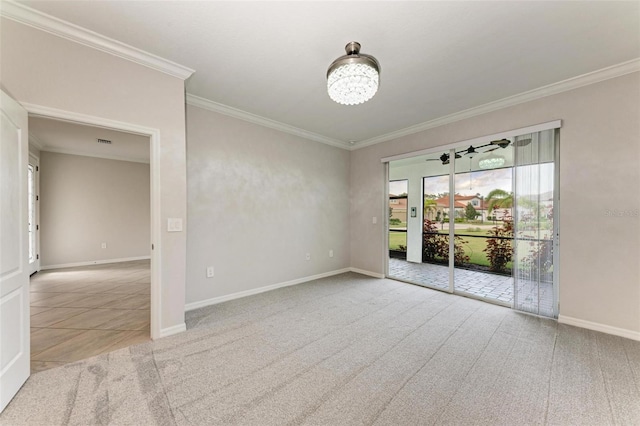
(14,262)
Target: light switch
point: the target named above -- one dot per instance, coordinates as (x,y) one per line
(174,224)
(374,220)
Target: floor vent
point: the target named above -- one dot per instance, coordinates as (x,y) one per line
(108,142)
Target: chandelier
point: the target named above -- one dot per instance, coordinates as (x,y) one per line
(353,78)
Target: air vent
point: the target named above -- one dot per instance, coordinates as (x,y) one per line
(108,142)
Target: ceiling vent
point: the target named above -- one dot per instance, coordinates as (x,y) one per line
(106,141)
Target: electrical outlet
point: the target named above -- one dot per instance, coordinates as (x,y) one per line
(103,245)
(308,256)
(330,253)
(209,271)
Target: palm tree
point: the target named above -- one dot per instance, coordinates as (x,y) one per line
(430,207)
(499,199)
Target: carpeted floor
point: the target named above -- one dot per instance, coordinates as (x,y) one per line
(348,350)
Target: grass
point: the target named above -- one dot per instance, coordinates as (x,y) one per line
(473,248)
(401,225)
(396,239)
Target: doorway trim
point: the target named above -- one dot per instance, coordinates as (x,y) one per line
(35,161)
(154,166)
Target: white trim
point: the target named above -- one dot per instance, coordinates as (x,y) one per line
(595,326)
(368,273)
(86,154)
(35,160)
(220,299)
(79,118)
(479,140)
(93,262)
(42,21)
(33,139)
(209,105)
(156,224)
(170,331)
(541,92)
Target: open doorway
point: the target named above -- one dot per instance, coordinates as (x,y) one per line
(92,293)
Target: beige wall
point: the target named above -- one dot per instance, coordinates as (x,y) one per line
(259,200)
(85,201)
(42,69)
(599,170)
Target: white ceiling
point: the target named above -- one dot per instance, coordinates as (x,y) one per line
(72,138)
(438,58)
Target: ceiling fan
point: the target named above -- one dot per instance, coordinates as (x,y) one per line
(471,151)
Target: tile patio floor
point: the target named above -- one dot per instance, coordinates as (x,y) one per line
(498,288)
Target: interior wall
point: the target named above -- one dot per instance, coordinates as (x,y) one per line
(599,197)
(259,200)
(42,69)
(85,201)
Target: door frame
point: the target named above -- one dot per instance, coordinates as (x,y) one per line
(35,161)
(154,166)
(555,125)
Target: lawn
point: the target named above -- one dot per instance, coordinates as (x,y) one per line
(396,239)
(473,248)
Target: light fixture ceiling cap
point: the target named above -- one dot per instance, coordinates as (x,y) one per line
(354,56)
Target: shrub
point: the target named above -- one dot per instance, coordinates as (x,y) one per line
(394,221)
(436,246)
(500,248)
(540,261)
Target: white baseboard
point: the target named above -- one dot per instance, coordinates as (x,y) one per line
(368,273)
(94,262)
(220,299)
(595,326)
(169,331)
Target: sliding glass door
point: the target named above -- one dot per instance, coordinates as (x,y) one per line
(480,221)
(483,223)
(535,227)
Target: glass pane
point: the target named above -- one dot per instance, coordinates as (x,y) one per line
(534,228)
(418,224)
(398,195)
(482,222)
(435,230)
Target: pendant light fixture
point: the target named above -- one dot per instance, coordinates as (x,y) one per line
(353,78)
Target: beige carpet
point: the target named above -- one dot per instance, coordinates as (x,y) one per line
(348,350)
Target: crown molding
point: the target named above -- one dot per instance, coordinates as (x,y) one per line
(207,104)
(36,19)
(541,92)
(89,154)
(35,141)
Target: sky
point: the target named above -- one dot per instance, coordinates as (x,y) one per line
(530,178)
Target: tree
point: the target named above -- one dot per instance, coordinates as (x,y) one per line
(430,207)
(499,199)
(470,212)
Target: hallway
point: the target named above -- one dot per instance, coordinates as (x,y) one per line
(77,313)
